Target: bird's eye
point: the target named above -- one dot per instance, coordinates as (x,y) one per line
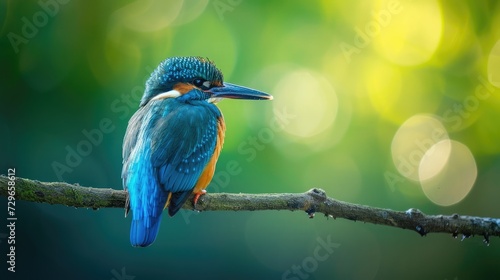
(201,83)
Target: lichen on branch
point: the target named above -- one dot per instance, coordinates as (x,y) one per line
(312,201)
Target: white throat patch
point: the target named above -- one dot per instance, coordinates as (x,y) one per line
(169,94)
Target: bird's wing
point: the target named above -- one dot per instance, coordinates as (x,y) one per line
(129,142)
(182,143)
(146,198)
(166,148)
(130,139)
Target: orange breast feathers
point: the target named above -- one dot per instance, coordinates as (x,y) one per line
(208,172)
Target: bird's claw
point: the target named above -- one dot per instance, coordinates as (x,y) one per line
(197,196)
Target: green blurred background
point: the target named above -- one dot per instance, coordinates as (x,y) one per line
(393,104)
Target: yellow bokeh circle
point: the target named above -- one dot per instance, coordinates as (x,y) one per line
(455,180)
(414,138)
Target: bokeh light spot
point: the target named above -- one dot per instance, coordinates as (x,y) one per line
(434,160)
(412,140)
(456,180)
(286,111)
(311,98)
(411,36)
(146,15)
(458,39)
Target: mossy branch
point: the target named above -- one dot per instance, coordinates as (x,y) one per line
(312,201)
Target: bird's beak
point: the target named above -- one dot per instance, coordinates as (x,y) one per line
(238,92)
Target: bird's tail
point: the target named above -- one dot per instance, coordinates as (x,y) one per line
(146,217)
(147,198)
(143,232)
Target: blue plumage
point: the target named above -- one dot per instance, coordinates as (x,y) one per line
(157,163)
(172,140)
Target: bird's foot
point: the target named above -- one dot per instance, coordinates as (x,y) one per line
(197,196)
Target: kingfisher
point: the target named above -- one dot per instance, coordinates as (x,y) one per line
(173,140)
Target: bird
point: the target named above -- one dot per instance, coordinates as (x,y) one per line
(173,140)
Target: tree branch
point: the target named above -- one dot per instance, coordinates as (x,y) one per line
(312,201)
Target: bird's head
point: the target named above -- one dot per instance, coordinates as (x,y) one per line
(193,78)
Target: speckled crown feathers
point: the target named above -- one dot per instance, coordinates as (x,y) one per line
(179,69)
